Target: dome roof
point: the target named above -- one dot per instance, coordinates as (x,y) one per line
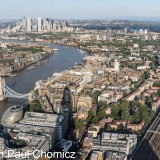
(12,115)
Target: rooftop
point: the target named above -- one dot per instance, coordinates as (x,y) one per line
(42,119)
(64,143)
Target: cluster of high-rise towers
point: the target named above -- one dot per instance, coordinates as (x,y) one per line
(46,25)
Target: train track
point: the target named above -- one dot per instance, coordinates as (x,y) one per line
(149,148)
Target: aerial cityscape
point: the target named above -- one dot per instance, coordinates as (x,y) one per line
(79,80)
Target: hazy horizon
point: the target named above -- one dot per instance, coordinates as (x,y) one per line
(141,19)
(82,10)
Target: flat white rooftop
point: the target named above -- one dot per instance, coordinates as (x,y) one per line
(42,119)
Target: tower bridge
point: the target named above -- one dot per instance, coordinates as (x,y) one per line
(6,92)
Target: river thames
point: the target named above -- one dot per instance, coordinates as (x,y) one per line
(58,61)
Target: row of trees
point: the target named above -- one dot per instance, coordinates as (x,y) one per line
(143,43)
(92,117)
(156,84)
(133,111)
(78,124)
(47,36)
(120,128)
(31,49)
(35,106)
(145,75)
(100,114)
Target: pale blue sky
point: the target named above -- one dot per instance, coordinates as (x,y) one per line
(79,9)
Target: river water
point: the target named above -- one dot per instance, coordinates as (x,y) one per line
(60,60)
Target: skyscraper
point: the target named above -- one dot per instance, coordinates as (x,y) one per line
(29,25)
(125,30)
(39,24)
(54,27)
(116,66)
(24,24)
(108,33)
(34,27)
(67,23)
(51,24)
(47,25)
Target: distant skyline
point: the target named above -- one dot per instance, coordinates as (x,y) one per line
(83,9)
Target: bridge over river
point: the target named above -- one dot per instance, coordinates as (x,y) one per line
(23,83)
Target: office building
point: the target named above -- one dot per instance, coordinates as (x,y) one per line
(64,145)
(34,143)
(116,66)
(125,30)
(124,143)
(111,155)
(93,35)
(54,27)
(141,31)
(39,24)
(24,24)
(108,34)
(12,115)
(34,27)
(145,31)
(46,25)
(51,125)
(29,25)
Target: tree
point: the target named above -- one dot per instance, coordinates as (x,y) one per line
(152,65)
(90,113)
(125,115)
(157,94)
(81,125)
(101,103)
(96,94)
(121,127)
(137,117)
(101,114)
(131,119)
(135,85)
(102,108)
(94,120)
(156,84)
(115,111)
(125,94)
(145,116)
(146,75)
(88,93)
(132,89)
(109,128)
(148,100)
(124,104)
(76,123)
(151,114)
(35,106)
(89,119)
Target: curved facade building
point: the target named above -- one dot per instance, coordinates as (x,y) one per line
(12,115)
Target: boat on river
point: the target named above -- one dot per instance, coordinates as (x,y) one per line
(55,49)
(30,68)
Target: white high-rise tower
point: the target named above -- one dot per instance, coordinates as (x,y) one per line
(24,23)
(116,66)
(39,24)
(29,25)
